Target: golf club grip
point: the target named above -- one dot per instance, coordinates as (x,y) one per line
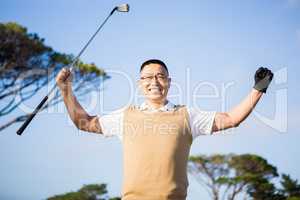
(31,116)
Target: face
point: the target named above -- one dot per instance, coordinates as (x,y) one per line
(154,82)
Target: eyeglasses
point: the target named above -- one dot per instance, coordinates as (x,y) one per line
(149,78)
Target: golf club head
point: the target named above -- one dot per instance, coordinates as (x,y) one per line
(123,8)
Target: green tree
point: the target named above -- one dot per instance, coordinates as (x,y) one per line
(230,176)
(87,192)
(290,187)
(255,173)
(27,65)
(210,172)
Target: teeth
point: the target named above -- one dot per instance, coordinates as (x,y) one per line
(154,89)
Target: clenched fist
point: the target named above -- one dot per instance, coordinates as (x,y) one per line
(263,78)
(64,79)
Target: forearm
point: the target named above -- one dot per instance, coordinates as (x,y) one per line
(76,112)
(225,120)
(242,110)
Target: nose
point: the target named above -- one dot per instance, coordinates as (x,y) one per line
(154,79)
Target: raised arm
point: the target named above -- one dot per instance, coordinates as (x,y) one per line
(225,120)
(79,116)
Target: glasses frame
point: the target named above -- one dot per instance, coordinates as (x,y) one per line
(158,77)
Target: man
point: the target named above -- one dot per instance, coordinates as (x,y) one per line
(157,135)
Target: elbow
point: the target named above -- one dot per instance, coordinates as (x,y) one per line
(235,124)
(82,123)
(78,125)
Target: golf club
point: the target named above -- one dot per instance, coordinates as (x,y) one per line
(120,8)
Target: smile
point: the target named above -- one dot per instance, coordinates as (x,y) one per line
(154,89)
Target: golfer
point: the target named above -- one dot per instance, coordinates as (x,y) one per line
(157,135)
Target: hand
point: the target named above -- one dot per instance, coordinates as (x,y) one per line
(263,78)
(64,79)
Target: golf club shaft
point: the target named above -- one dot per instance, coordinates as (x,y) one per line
(71,67)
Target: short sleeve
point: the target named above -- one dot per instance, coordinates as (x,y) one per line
(201,122)
(112,123)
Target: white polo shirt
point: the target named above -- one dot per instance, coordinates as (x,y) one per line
(201,122)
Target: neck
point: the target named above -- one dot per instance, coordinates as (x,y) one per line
(157,104)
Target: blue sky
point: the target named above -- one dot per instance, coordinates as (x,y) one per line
(207,45)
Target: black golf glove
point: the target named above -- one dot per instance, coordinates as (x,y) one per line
(263,77)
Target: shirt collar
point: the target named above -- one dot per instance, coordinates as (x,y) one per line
(167,107)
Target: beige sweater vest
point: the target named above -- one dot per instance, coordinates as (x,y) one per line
(155,151)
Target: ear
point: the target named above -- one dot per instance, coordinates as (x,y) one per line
(169,82)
